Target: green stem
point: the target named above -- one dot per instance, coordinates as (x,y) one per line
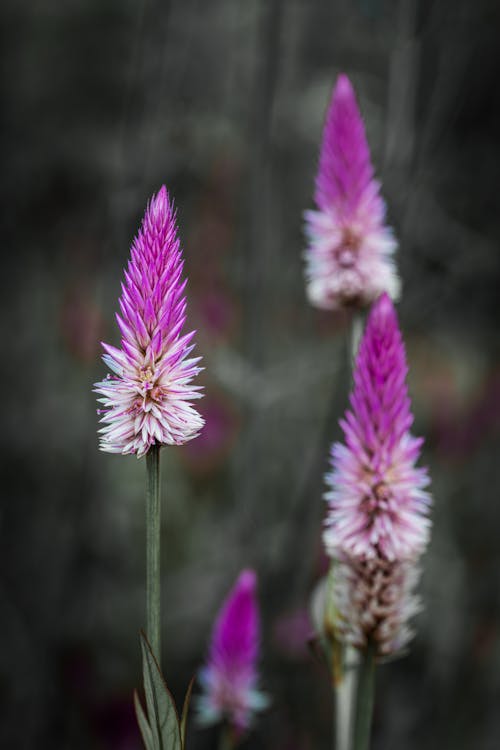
(153,524)
(344,691)
(365,697)
(356,333)
(226,737)
(336,652)
(344,681)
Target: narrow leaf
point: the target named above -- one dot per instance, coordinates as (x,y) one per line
(185,709)
(151,708)
(162,713)
(146,733)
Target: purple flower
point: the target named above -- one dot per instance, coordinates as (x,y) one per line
(146,401)
(229,680)
(349,258)
(377,524)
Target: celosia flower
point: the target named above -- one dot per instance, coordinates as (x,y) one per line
(377,524)
(349,258)
(146,401)
(377,502)
(229,680)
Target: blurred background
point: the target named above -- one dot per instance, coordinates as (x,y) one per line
(223,100)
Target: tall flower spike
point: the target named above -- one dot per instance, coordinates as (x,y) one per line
(378,505)
(229,679)
(377,524)
(146,401)
(349,256)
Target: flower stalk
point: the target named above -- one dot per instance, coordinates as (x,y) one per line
(153,547)
(145,403)
(344,665)
(226,737)
(364,700)
(342,696)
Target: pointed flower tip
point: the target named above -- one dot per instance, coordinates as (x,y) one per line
(383,322)
(343,88)
(383,311)
(239,612)
(247,580)
(160,203)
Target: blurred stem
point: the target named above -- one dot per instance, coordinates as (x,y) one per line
(342,656)
(344,691)
(364,700)
(343,673)
(153,523)
(341,698)
(356,333)
(226,737)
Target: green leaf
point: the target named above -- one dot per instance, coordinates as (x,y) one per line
(146,733)
(162,713)
(185,709)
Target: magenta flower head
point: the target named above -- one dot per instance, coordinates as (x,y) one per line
(349,259)
(147,399)
(377,501)
(229,679)
(377,522)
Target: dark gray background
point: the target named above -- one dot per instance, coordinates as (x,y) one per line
(223,100)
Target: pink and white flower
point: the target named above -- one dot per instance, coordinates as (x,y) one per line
(377,524)
(349,259)
(147,399)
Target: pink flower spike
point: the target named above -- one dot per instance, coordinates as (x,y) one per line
(349,256)
(377,501)
(377,523)
(229,679)
(147,400)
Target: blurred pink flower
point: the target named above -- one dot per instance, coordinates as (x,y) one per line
(81,322)
(146,401)
(349,257)
(222,422)
(229,680)
(292,633)
(215,313)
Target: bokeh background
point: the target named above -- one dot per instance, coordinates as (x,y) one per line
(223,100)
